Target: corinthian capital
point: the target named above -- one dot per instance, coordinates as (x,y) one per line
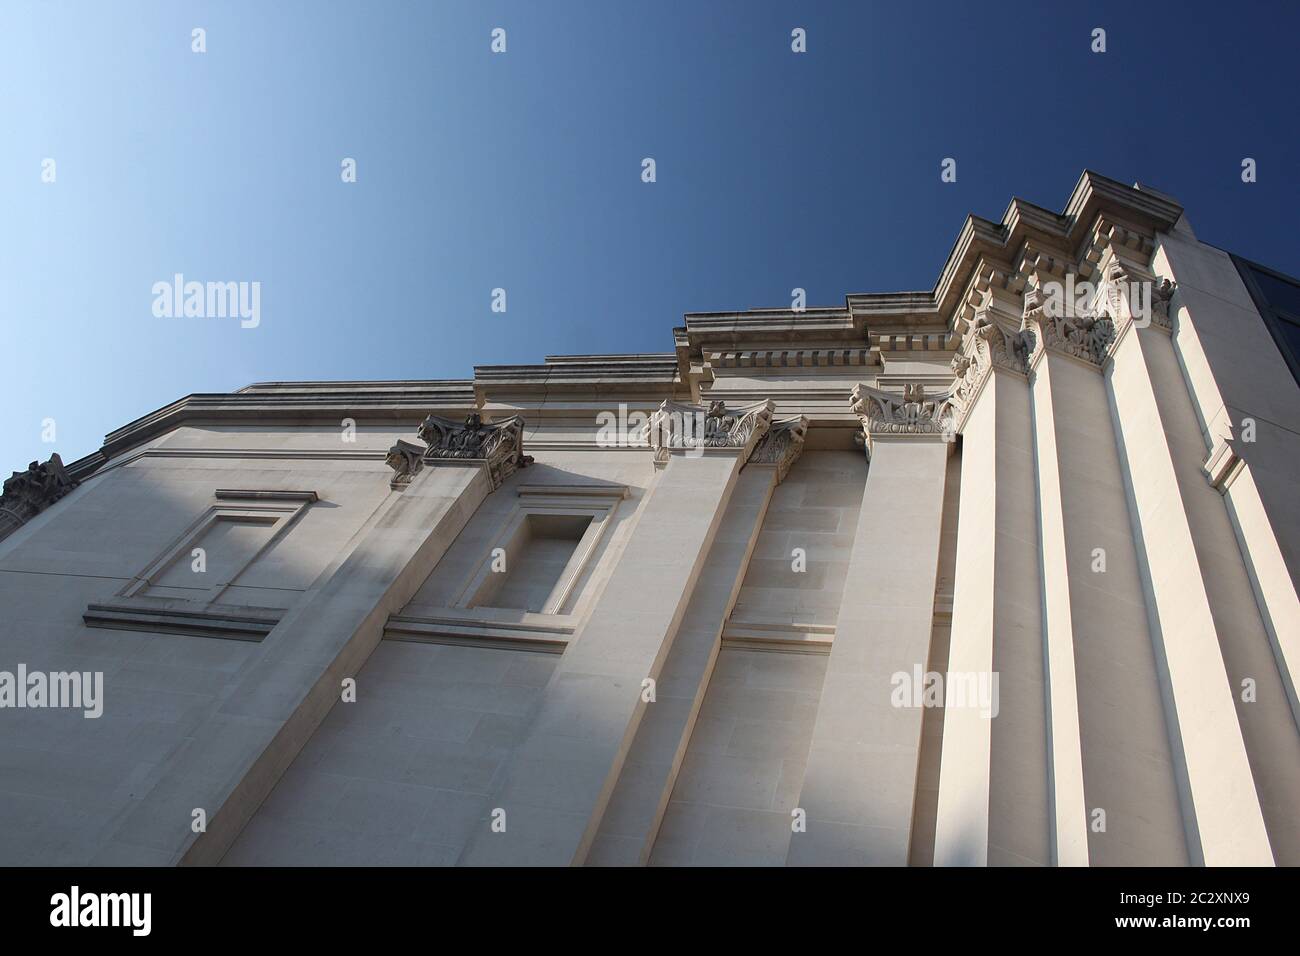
(886,416)
(1060,325)
(28,493)
(988,346)
(679,426)
(781,445)
(1134,295)
(499,445)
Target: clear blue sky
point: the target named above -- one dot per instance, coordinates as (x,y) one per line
(522,171)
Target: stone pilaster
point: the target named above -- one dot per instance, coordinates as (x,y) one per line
(631,822)
(993,806)
(1206,626)
(556,785)
(859,789)
(1113,789)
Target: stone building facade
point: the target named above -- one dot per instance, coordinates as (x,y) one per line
(957,577)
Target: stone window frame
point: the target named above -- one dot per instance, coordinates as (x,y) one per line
(567,601)
(284,507)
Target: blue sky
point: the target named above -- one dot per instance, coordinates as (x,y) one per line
(522,171)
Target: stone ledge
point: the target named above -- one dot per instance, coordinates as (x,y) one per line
(229,623)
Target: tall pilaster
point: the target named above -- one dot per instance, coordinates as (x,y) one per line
(1204,619)
(859,788)
(993,804)
(645,785)
(554,789)
(1114,796)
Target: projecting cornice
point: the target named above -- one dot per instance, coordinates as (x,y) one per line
(1103,219)
(287,402)
(985,252)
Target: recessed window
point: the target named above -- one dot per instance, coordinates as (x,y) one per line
(534,562)
(543,557)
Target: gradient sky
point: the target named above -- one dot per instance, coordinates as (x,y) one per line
(523,170)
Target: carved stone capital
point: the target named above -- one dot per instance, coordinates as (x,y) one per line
(499,445)
(1134,295)
(28,493)
(679,426)
(406,459)
(989,346)
(1060,327)
(886,416)
(781,445)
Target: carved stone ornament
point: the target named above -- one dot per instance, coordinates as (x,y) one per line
(406,459)
(1160,296)
(988,346)
(1155,293)
(1083,336)
(499,444)
(28,493)
(884,414)
(781,445)
(681,426)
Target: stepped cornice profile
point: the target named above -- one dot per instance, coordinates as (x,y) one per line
(869,330)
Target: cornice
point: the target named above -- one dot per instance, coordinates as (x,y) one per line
(986,256)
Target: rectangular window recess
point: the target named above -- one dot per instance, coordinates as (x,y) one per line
(545,551)
(181,590)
